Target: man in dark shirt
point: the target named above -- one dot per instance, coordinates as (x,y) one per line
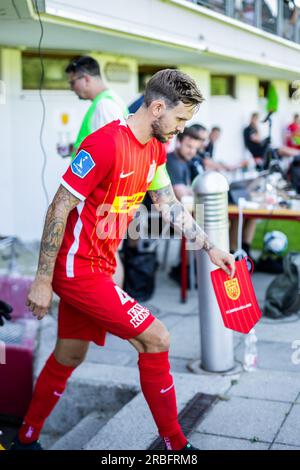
(178,161)
(253,141)
(204,158)
(178,168)
(258,147)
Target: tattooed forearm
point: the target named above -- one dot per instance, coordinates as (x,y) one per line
(54,230)
(179,217)
(52,234)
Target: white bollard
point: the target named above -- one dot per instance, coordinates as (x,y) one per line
(211,212)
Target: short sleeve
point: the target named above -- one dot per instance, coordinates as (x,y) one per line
(91,165)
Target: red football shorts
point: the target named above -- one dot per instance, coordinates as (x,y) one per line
(93,304)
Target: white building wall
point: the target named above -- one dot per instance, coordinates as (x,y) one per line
(202,78)
(232,115)
(127,90)
(8,75)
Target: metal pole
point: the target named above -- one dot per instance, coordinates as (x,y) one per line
(211,198)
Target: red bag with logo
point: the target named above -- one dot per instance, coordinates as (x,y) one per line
(236,298)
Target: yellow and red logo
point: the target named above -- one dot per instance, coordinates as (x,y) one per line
(123,204)
(232,288)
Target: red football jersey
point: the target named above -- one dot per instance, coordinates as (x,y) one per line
(110,175)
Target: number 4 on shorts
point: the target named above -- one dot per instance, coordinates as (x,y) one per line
(123,296)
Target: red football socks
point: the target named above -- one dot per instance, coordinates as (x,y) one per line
(159,391)
(48,389)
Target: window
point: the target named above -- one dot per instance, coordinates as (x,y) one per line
(263,87)
(269,13)
(222,85)
(54,67)
(244,10)
(294,90)
(117,72)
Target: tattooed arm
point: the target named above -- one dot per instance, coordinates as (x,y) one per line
(179,217)
(40,295)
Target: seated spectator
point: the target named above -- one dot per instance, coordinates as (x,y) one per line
(258,146)
(196,164)
(209,162)
(178,169)
(177,162)
(204,158)
(293,133)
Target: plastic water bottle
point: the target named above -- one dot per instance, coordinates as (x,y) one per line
(250,354)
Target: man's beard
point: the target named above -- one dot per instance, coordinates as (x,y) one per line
(158,134)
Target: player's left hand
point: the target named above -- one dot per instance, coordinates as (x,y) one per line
(223,260)
(40,297)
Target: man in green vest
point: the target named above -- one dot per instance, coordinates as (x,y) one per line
(85,80)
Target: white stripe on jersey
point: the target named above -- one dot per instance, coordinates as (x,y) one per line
(72,191)
(75,245)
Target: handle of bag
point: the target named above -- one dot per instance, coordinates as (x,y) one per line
(248,259)
(244,256)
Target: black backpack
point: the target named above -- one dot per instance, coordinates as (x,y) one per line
(140,266)
(295,174)
(283,294)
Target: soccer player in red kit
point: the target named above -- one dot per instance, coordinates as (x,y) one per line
(98,197)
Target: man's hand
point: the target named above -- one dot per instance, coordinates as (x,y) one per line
(40,297)
(223,260)
(5,311)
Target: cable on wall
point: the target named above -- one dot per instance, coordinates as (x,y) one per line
(43,104)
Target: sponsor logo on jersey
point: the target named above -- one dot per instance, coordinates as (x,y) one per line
(82,164)
(123,204)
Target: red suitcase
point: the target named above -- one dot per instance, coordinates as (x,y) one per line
(17,343)
(14,290)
